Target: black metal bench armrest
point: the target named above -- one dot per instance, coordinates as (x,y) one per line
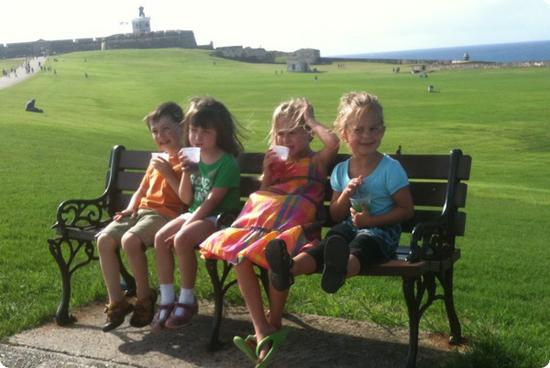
(82,214)
(431,235)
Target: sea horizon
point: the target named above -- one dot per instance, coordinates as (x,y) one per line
(499,53)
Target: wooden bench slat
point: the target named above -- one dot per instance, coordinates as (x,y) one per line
(433,194)
(432,166)
(134,160)
(397,267)
(129,180)
(120,201)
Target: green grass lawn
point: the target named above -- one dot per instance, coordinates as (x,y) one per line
(499,116)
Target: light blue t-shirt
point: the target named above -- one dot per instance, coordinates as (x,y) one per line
(376,194)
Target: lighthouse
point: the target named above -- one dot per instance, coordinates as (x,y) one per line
(141,24)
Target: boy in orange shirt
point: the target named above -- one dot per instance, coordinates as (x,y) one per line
(154,204)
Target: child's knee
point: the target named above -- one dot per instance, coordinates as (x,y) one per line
(106,243)
(160,240)
(132,243)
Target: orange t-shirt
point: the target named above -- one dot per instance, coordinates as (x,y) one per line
(159,196)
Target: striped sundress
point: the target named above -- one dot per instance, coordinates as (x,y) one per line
(286,210)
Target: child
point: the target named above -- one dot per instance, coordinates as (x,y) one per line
(154,204)
(208,189)
(284,208)
(370,198)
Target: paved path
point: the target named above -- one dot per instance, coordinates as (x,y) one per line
(22,75)
(313,342)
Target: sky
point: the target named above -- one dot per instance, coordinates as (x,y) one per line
(342,27)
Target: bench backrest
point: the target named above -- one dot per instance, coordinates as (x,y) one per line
(437,183)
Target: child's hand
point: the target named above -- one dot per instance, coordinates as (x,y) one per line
(162,166)
(307,114)
(126,212)
(270,158)
(360,219)
(308,118)
(353,185)
(187,165)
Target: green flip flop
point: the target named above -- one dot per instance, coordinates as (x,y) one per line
(275,339)
(246,346)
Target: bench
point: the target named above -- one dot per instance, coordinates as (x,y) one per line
(439,193)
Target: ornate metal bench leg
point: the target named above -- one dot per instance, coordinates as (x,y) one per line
(62,316)
(413,308)
(217,284)
(129,283)
(454,324)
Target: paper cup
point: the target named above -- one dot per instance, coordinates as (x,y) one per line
(192,153)
(162,155)
(281,151)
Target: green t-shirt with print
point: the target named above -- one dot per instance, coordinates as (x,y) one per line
(224,173)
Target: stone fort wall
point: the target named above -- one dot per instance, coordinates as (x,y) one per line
(159,39)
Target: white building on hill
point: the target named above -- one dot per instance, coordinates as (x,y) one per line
(301,60)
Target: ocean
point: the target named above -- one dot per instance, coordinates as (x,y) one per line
(500,53)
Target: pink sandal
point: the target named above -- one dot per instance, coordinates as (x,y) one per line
(174,321)
(158,324)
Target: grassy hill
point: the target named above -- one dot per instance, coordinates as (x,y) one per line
(499,116)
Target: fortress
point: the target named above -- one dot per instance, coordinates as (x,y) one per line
(140,38)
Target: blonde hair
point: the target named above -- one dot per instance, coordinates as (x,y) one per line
(353,104)
(291,112)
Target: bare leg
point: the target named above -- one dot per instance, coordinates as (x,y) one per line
(185,241)
(250,290)
(303,264)
(163,250)
(110,268)
(354,267)
(134,248)
(277,302)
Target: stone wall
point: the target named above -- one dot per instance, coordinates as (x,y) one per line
(161,39)
(309,56)
(254,55)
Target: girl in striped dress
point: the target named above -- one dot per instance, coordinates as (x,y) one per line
(284,209)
